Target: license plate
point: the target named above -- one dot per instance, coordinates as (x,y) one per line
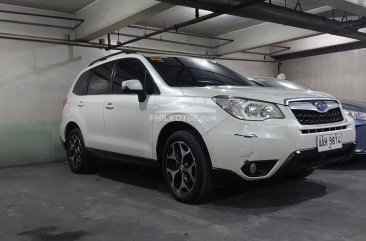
(329,142)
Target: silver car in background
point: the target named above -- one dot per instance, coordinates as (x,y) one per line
(354,108)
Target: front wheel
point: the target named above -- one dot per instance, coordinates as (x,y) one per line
(186,168)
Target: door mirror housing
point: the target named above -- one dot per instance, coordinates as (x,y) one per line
(133,84)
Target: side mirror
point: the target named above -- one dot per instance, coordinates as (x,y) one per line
(133,84)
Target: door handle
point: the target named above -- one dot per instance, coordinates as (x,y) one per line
(109,106)
(81,104)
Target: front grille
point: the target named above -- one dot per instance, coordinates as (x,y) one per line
(311,117)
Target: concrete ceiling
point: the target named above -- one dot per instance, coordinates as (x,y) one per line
(216,26)
(106,16)
(212,27)
(65,6)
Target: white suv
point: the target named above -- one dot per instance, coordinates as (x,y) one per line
(194,116)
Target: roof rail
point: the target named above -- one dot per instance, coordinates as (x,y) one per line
(111,55)
(105,58)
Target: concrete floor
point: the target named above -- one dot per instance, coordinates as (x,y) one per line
(49,203)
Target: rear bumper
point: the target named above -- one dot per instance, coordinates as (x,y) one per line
(63,143)
(311,158)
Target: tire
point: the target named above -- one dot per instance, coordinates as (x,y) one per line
(189,179)
(76,153)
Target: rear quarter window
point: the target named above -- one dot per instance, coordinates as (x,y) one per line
(79,87)
(100,78)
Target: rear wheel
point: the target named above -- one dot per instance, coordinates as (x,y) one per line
(186,168)
(76,153)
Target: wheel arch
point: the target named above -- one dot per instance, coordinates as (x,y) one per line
(172,127)
(71,126)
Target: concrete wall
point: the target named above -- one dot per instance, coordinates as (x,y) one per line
(34,79)
(341,74)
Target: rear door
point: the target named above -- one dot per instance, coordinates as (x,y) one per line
(91,106)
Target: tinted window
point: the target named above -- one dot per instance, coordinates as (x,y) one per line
(80,85)
(128,69)
(99,81)
(189,72)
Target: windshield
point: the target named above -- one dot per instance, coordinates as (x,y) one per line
(193,72)
(277,83)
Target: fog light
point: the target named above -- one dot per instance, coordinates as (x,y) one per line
(253,168)
(258,168)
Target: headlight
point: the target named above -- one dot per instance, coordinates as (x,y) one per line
(245,109)
(356,114)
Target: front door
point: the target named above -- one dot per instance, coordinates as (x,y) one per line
(127,121)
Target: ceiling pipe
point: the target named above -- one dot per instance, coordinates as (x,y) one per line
(180,33)
(321,51)
(281,15)
(95,45)
(357,24)
(169,41)
(80,21)
(41,15)
(243,4)
(36,24)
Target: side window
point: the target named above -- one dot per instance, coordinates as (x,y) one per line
(131,68)
(99,80)
(80,85)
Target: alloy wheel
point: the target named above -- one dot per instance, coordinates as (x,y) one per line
(75,151)
(181,167)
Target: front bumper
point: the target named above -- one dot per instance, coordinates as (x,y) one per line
(310,159)
(270,144)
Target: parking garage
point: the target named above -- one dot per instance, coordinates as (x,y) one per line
(285,52)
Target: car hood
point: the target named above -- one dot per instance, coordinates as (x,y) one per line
(354,105)
(274,95)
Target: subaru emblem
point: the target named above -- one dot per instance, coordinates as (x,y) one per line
(321,106)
